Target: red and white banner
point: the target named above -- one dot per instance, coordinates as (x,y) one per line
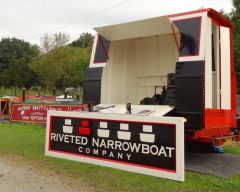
(37,113)
(82,107)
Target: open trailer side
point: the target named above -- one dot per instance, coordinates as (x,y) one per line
(183,60)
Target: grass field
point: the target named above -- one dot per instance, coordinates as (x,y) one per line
(32,92)
(235,148)
(28,141)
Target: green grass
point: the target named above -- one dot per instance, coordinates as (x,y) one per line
(28,141)
(32,92)
(234,148)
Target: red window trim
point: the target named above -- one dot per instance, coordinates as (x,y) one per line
(99,40)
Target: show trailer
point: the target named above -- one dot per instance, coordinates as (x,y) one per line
(155,84)
(183,60)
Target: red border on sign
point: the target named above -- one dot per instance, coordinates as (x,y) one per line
(109,160)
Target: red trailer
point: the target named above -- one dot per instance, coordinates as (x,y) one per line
(182,61)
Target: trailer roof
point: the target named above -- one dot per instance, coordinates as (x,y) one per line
(136,29)
(154,26)
(213,14)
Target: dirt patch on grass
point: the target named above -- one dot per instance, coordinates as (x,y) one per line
(20,175)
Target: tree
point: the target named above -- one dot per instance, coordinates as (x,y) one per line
(49,42)
(235,19)
(19,75)
(73,76)
(15,54)
(84,41)
(62,66)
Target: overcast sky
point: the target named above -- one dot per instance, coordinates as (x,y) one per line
(31,19)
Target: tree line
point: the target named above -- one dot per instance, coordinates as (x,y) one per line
(234,18)
(56,63)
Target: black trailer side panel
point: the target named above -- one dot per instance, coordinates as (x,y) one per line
(92,85)
(190,93)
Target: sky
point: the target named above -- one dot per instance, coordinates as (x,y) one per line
(31,19)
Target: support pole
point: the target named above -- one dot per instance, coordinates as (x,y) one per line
(78,93)
(15,91)
(38,90)
(23,94)
(54,91)
(65,94)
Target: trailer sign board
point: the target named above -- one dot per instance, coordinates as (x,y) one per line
(147,145)
(24,112)
(37,112)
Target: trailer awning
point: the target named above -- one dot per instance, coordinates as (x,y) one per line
(136,29)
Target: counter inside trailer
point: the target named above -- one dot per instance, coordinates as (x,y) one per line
(138,110)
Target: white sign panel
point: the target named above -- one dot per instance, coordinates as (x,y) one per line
(142,144)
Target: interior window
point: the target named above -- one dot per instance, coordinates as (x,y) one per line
(190,35)
(101,54)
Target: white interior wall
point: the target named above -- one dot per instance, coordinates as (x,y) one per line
(212,78)
(119,75)
(225,68)
(136,66)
